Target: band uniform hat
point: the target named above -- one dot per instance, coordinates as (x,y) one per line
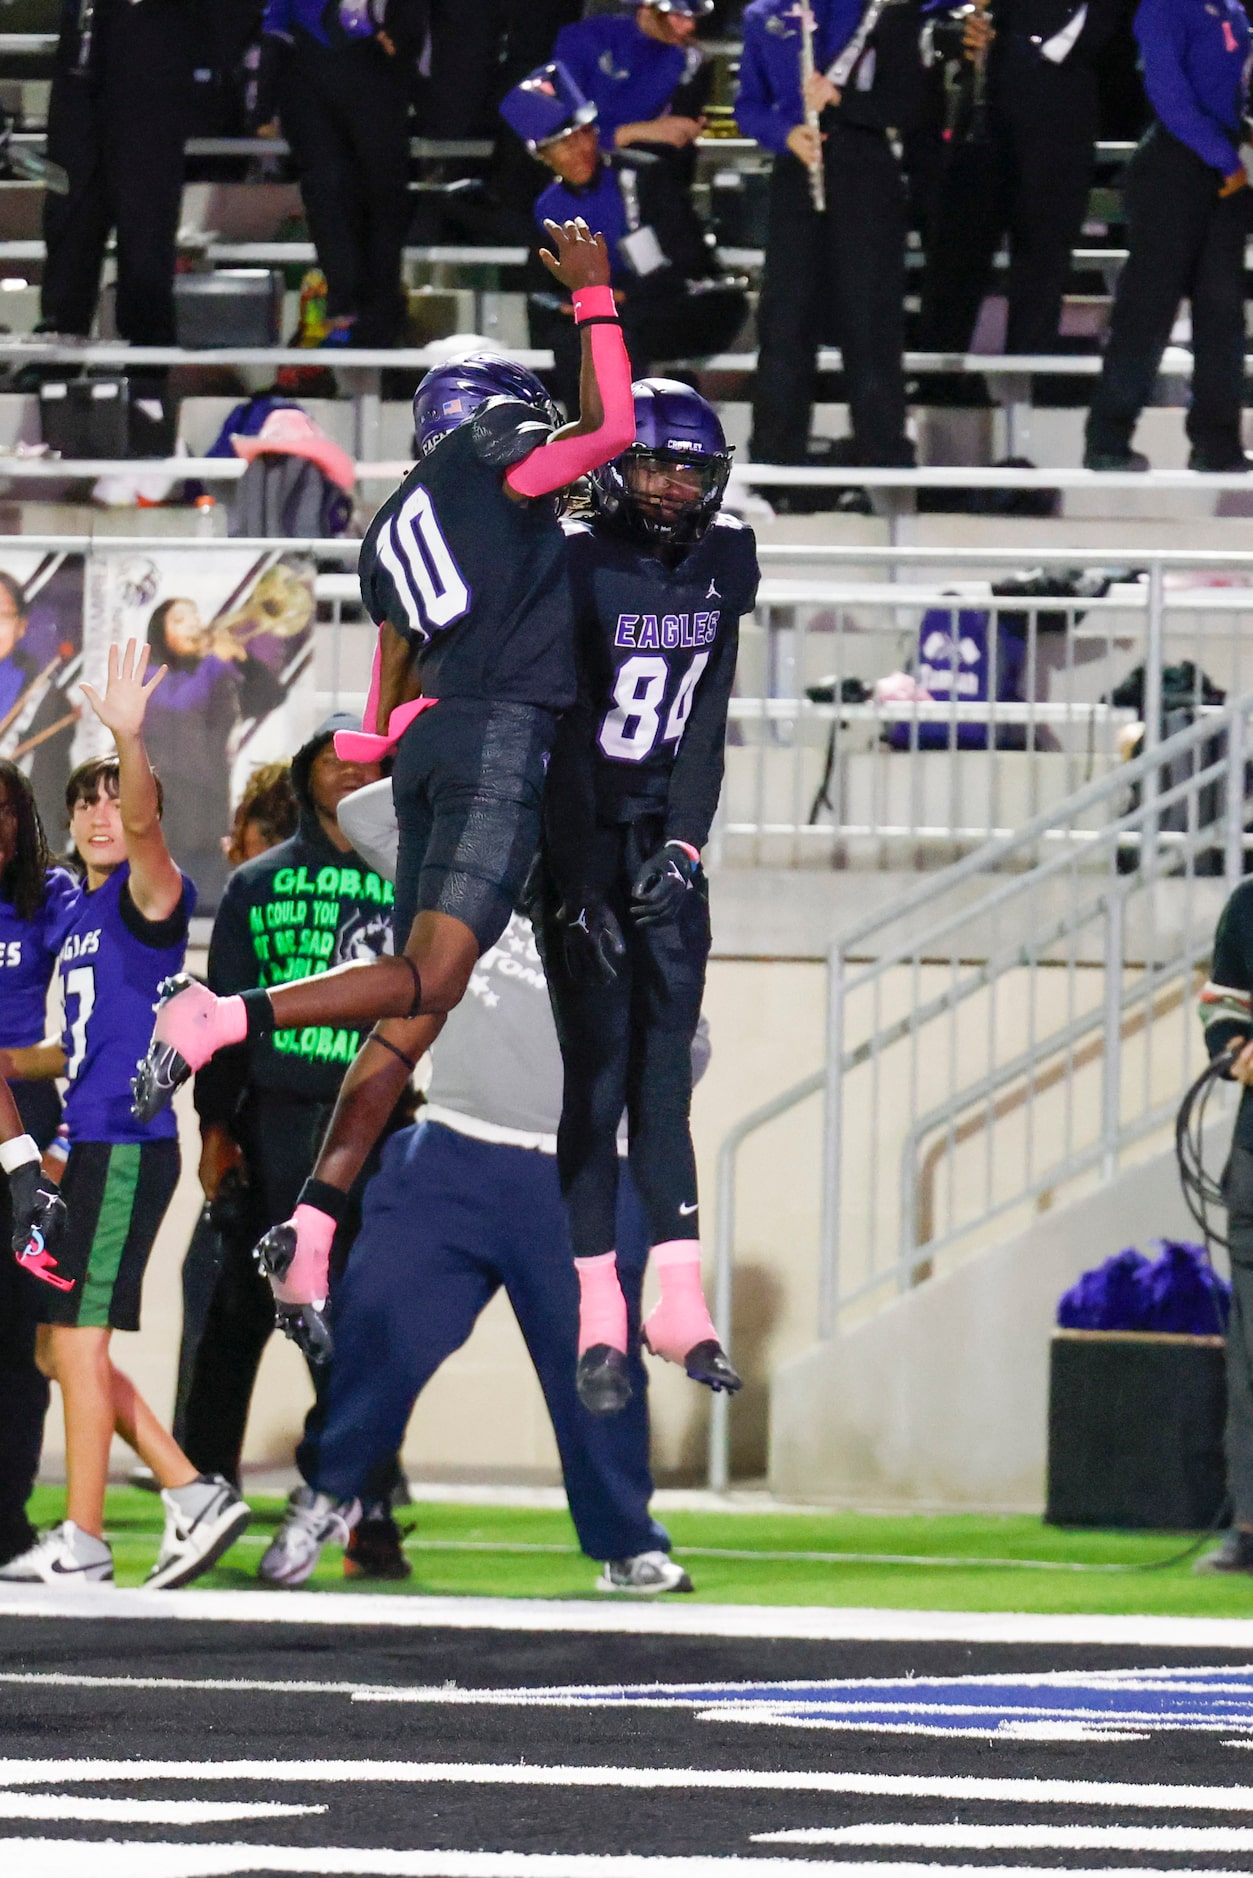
(292,432)
(546,105)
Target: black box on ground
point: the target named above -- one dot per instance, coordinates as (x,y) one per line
(237,306)
(1136,1430)
(85,417)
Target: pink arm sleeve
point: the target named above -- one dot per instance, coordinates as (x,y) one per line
(554,465)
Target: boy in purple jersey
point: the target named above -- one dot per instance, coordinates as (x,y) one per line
(34,898)
(126,931)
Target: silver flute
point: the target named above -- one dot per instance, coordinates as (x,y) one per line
(817,181)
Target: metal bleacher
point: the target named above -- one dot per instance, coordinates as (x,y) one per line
(486,278)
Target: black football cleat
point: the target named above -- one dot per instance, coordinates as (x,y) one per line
(375,1548)
(708,1363)
(305,1324)
(163,1069)
(602,1381)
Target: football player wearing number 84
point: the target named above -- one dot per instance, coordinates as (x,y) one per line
(463,569)
(122,932)
(661,580)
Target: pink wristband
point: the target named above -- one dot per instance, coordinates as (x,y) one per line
(593,303)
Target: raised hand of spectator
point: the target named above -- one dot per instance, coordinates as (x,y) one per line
(126,696)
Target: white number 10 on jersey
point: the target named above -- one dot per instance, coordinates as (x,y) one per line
(412,548)
(629,732)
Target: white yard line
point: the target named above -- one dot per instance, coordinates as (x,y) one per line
(1024,1838)
(61,1806)
(605,1616)
(65,1858)
(963,1788)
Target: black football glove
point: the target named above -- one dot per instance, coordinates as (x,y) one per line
(591,939)
(38,1210)
(662,885)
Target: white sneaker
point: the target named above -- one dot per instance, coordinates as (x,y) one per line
(646,1575)
(202,1520)
(64,1556)
(310,1522)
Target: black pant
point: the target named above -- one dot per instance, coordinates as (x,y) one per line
(677,326)
(626,1048)
(119,134)
(1238,1190)
(23,1391)
(280,1139)
(1185,242)
(1028,178)
(345,111)
(848,264)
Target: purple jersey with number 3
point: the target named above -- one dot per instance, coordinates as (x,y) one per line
(111,963)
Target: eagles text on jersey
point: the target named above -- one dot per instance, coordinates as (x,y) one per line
(655,640)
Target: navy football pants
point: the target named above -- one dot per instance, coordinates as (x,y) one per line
(447,1221)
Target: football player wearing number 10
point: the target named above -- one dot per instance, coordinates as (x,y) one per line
(660,581)
(464,570)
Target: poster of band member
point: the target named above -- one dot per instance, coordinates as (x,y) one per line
(235,629)
(41,642)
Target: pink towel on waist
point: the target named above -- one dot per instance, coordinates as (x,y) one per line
(367,746)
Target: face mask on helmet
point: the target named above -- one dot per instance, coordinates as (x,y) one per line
(450,394)
(661,496)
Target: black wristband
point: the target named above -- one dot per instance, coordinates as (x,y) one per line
(258,1014)
(597,319)
(332,1201)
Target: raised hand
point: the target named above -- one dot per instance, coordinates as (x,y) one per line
(581,260)
(126,696)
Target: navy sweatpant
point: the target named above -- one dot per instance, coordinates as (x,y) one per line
(447,1221)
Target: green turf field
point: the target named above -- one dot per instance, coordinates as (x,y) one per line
(962,1562)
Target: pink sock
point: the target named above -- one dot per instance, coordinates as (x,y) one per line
(680,1319)
(307,1280)
(198,1024)
(602,1307)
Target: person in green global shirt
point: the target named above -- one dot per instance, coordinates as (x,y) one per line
(306,905)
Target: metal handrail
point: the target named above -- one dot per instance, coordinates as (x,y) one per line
(1160,855)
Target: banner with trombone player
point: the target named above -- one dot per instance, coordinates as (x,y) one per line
(829,86)
(235,629)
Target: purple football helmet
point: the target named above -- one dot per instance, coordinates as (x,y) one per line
(667,488)
(450,394)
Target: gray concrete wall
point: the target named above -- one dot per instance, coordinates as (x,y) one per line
(941,1398)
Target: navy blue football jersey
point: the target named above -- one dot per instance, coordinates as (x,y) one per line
(476,580)
(28,956)
(656,648)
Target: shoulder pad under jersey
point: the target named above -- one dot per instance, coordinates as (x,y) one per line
(504,430)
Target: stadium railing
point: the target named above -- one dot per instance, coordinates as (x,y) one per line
(823,770)
(1008,1032)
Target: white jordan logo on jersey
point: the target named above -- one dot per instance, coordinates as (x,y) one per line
(713,593)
